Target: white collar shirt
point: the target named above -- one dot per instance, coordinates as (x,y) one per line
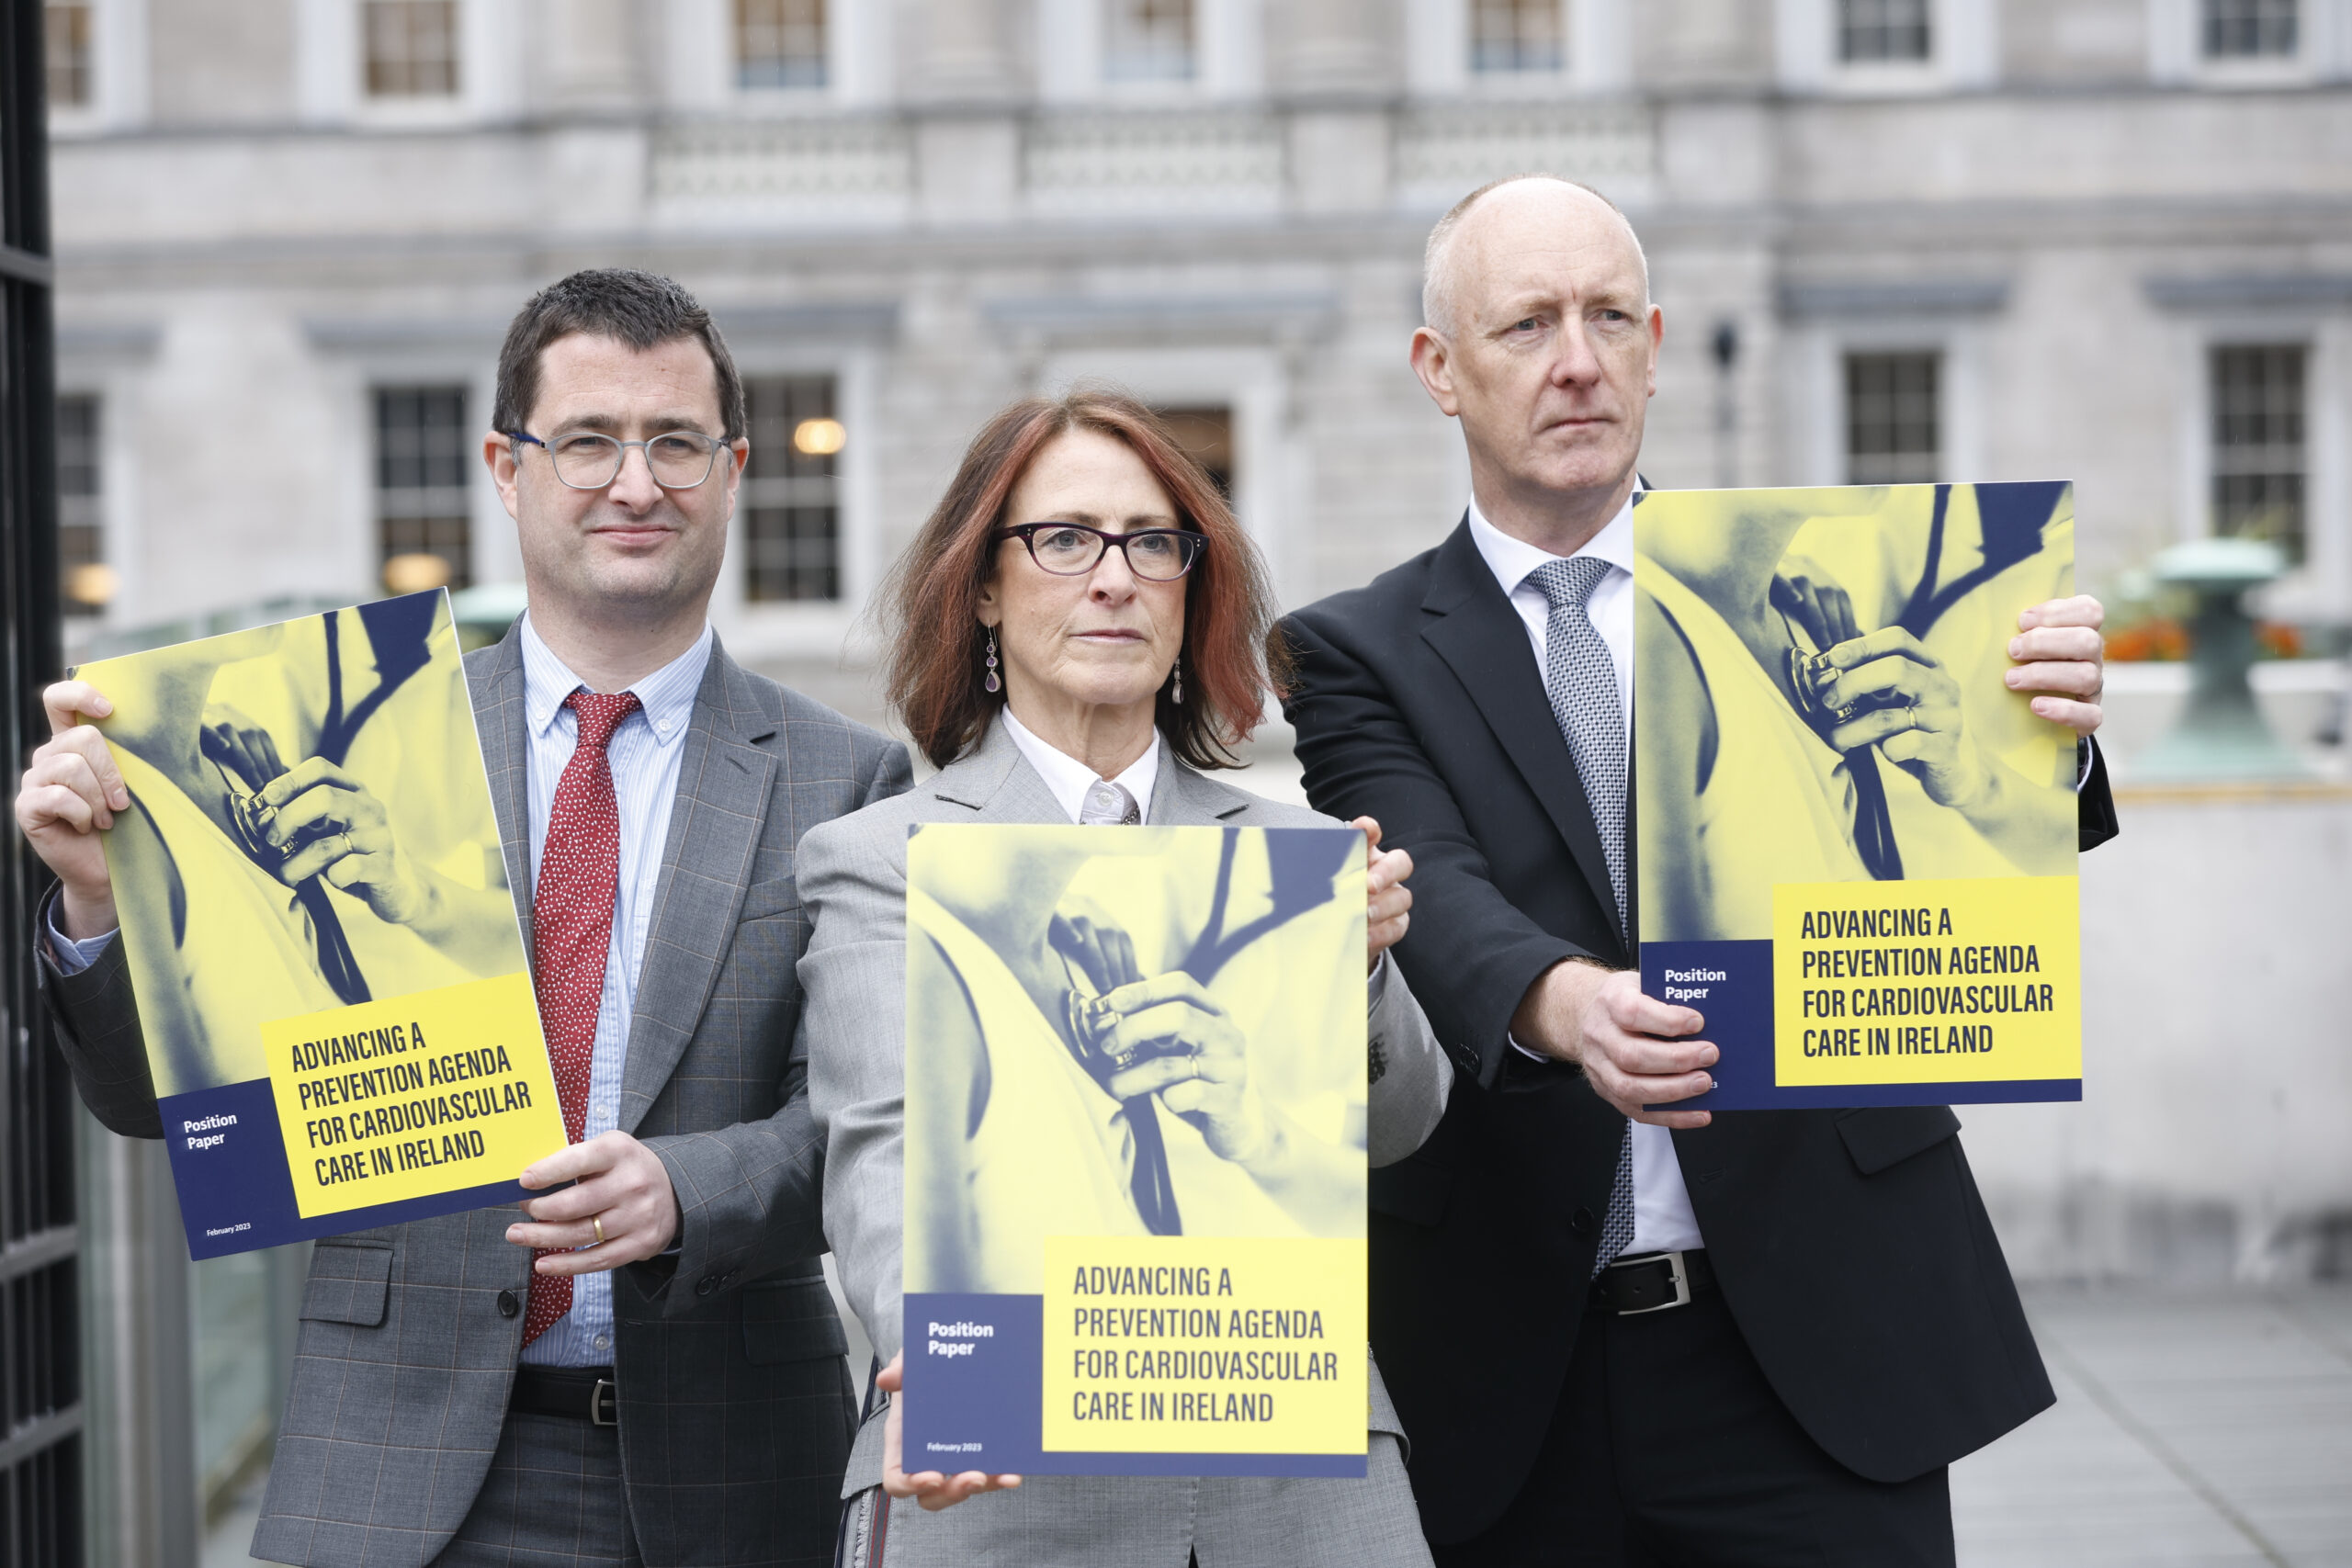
(645,755)
(1663,1220)
(1610,607)
(1070,779)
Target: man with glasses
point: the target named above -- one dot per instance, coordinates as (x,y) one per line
(645,1365)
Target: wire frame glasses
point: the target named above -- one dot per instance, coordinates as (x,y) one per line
(1073,549)
(680,459)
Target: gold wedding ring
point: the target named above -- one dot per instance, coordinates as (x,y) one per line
(598,1220)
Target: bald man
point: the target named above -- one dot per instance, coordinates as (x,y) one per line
(1618,1335)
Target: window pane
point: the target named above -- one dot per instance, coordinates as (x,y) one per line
(1882,30)
(1207,435)
(425,460)
(67,47)
(1515,35)
(411,48)
(780,43)
(85,582)
(791,498)
(2248,28)
(2257,393)
(1893,420)
(1147,40)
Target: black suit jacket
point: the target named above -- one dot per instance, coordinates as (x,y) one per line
(1851,1246)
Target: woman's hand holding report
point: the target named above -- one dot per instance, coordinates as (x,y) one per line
(326,823)
(1183,1047)
(1886,690)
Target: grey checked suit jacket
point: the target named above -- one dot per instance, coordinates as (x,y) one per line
(853,881)
(735,1412)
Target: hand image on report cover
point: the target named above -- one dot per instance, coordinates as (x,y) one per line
(1830,666)
(1129,1033)
(301,834)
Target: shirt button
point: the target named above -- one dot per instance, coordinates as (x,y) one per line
(507,1304)
(603,1342)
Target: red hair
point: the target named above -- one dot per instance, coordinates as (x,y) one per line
(935,590)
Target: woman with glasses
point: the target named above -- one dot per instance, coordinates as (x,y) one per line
(1081,636)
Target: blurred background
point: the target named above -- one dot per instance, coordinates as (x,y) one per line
(2107,241)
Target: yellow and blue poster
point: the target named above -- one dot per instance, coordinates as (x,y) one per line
(1135,1172)
(1856,843)
(327,960)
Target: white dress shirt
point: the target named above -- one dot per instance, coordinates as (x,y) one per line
(1070,779)
(1662,1218)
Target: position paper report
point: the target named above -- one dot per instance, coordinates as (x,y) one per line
(1856,844)
(1135,1167)
(326,956)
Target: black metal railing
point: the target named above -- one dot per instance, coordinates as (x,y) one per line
(40,1380)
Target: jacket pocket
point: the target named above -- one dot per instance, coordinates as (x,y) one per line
(348,1284)
(791,1320)
(777,896)
(1883,1136)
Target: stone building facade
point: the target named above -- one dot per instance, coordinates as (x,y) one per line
(2110,240)
(2106,240)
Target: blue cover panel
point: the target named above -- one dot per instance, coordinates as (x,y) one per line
(236,1194)
(1738,1011)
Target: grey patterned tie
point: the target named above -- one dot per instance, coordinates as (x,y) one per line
(1582,681)
(1108,805)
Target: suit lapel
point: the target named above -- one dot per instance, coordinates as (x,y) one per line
(1185,798)
(726,779)
(1483,641)
(996,782)
(502,725)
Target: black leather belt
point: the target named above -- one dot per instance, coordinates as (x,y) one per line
(1651,1282)
(579,1393)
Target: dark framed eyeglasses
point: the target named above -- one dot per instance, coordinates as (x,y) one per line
(680,459)
(1073,549)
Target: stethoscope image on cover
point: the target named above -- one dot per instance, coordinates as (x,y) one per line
(1305,867)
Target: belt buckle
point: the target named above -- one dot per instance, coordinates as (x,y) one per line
(1674,1271)
(604,1404)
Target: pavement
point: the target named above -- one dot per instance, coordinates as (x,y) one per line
(2190,1429)
(2208,1429)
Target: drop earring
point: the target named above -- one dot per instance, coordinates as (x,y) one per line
(1176,682)
(992,683)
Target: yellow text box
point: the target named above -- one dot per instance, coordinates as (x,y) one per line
(1243,1345)
(1975,980)
(431,1092)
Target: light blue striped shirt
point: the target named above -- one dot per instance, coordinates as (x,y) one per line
(645,755)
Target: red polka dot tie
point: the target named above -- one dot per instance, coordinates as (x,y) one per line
(571,934)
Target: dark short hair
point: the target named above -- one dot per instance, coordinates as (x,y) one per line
(934,595)
(643,309)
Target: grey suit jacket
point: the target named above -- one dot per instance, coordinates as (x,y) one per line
(735,1412)
(853,881)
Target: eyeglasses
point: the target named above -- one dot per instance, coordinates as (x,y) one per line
(1073,549)
(680,459)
